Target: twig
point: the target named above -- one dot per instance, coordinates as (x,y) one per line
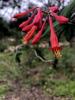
(43,60)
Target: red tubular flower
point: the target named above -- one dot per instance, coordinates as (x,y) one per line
(38,17)
(38,35)
(26,22)
(60,19)
(54,40)
(36,20)
(25,38)
(29,35)
(54,9)
(28,27)
(24,13)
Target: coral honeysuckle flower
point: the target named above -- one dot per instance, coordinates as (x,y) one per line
(26,22)
(38,16)
(54,40)
(24,13)
(36,20)
(28,27)
(60,19)
(54,9)
(39,34)
(29,35)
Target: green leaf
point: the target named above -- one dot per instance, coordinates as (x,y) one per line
(48,29)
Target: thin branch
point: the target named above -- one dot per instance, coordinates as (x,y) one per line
(43,60)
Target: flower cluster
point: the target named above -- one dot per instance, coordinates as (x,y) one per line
(34,26)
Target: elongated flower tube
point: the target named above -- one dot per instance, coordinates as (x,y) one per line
(26,22)
(29,35)
(34,28)
(54,40)
(39,34)
(28,27)
(38,17)
(25,41)
(60,19)
(36,20)
(54,9)
(24,13)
